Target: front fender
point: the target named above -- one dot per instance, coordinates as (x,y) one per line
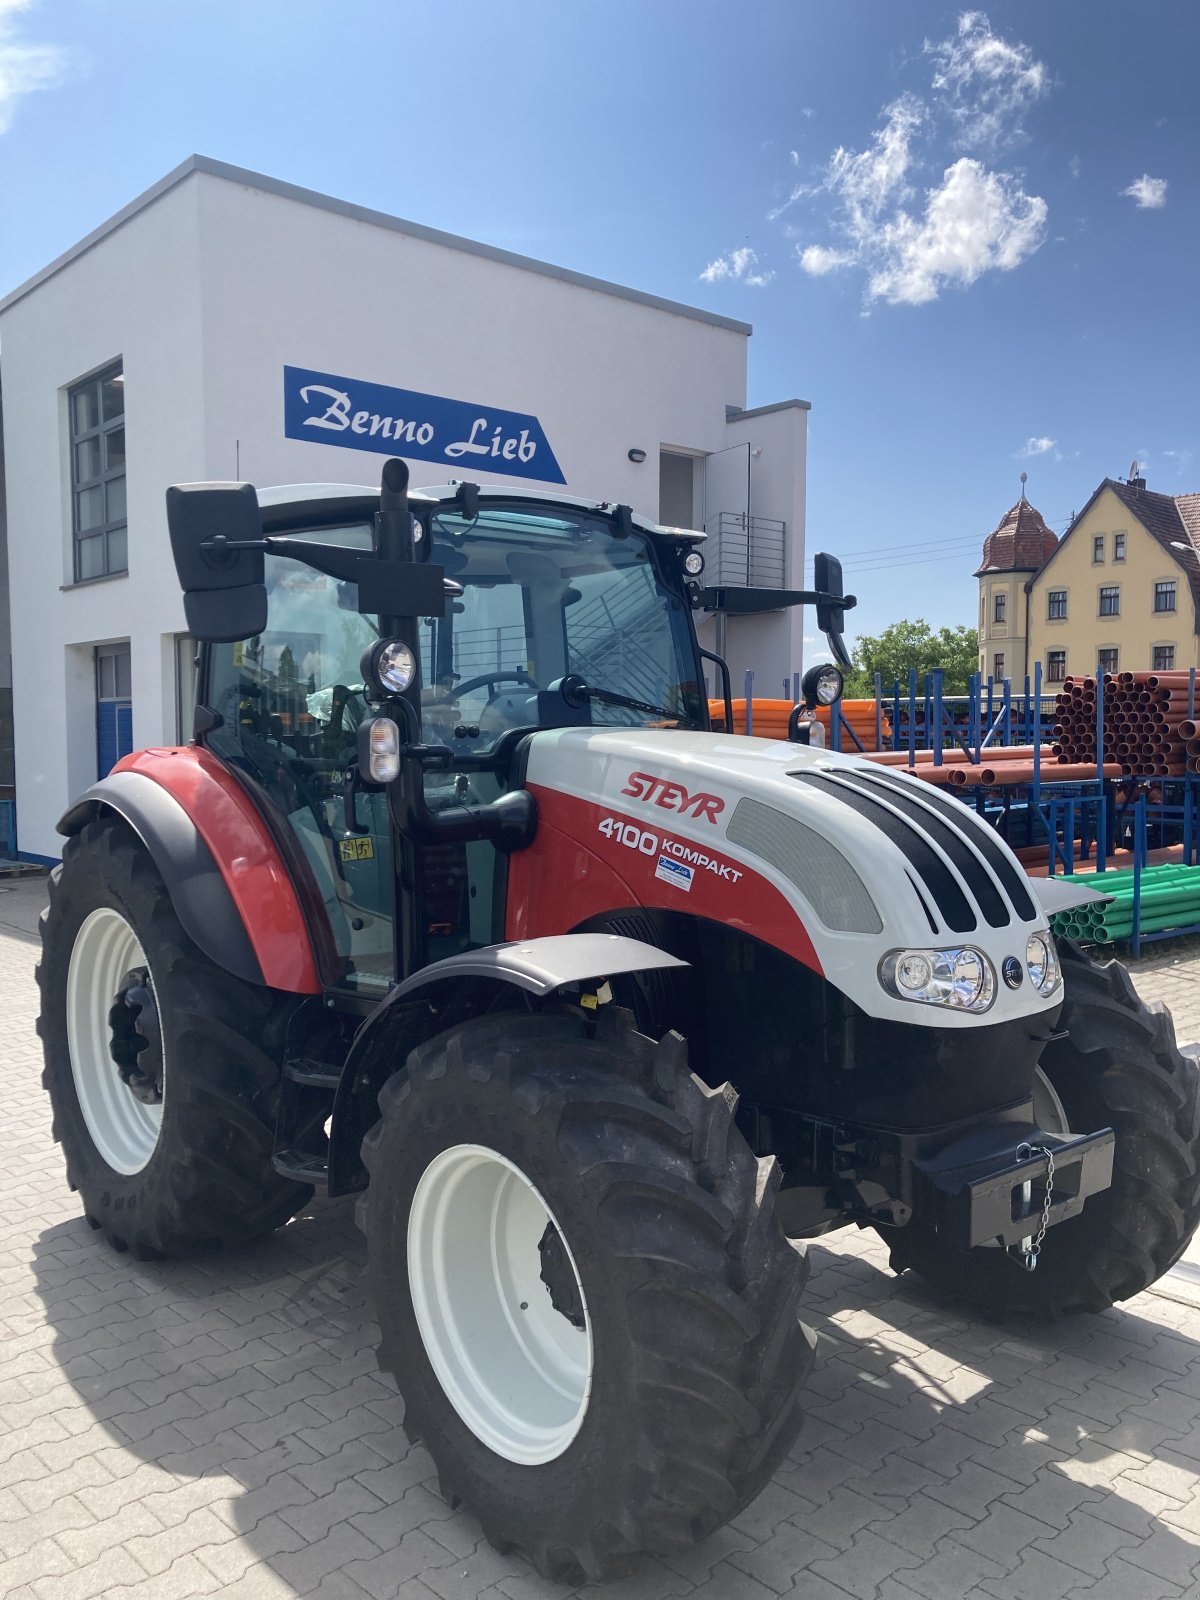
(444,992)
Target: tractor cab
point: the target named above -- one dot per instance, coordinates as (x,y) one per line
(537,595)
(500,612)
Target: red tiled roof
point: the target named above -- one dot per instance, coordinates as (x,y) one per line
(1021,543)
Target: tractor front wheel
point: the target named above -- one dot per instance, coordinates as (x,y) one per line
(584,1295)
(1114,1064)
(162,1070)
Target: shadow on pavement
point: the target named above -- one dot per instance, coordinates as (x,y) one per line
(948,1454)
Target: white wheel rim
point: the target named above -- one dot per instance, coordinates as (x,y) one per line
(1048,1110)
(124,1130)
(518,1373)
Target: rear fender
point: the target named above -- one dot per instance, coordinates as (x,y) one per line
(223,871)
(450,991)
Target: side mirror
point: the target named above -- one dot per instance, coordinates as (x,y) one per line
(831,612)
(217,541)
(827,579)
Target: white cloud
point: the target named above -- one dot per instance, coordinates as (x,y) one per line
(737,265)
(1150,193)
(971,221)
(987,83)
(819,259)
(1036,447)
(23,67)
(1075,166)
(974,221)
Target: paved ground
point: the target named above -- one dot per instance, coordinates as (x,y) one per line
(218,1427)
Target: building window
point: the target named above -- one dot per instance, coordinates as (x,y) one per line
(97,410)
(1106,661)
(1110,600)
(114,706)
(1164,658)
(1164,596)
(1001,607)
(998,666)
(1118,547)
(1056,666)
(1097,549)
(1056,605)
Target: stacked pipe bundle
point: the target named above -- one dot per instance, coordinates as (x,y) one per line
(1149,728)
(1170,899)
(769,720)
(1005,765)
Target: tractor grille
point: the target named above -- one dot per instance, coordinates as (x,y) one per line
(817,868)
(956,859)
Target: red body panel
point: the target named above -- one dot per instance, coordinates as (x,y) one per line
(246,855)
(572,872)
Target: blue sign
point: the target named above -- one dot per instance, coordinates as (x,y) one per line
(322,408)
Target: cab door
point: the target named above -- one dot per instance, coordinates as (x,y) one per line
(289,703)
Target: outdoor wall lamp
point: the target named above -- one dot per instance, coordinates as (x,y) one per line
(637,455)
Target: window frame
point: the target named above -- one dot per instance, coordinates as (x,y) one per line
(1113,666)
(1155,666)
(1051,614)
(102,531)
(1000,606)
(1098,546)
(1119,542)
(1164,584)
(998,666)
(1051,676)
(1112,590)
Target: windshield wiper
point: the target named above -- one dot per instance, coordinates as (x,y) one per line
(576,692)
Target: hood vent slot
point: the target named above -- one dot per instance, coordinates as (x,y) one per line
(977,834)
(807,859)
(965,861)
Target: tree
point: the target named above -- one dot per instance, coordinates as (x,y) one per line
(903,645)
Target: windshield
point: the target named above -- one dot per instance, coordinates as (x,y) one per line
(544,595)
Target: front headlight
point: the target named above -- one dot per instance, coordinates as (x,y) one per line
(962,978)
(1041,960)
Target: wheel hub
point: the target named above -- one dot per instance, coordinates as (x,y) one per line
(559,1277)
(135,1041)
(499,1304)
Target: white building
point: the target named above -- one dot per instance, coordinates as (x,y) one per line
(192,321)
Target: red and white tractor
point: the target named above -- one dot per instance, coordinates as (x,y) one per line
(456,901)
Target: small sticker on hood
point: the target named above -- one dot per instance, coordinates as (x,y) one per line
(675,872)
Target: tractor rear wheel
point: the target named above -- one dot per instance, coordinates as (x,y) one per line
(162,1070)
(1118,1067)
(584,1294)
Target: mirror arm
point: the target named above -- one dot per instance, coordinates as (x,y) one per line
(722,667)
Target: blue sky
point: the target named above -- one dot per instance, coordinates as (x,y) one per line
(971,239)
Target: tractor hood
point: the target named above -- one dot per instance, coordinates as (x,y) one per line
(832,858)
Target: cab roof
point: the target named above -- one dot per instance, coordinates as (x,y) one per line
(283,504)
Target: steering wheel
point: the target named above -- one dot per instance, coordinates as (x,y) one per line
(492,679)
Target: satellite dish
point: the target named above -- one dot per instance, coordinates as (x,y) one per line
(1133,468)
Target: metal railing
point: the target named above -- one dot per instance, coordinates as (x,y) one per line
(746,552)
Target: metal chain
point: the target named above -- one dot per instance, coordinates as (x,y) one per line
(1031,1251)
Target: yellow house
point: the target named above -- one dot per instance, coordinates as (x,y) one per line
(1012,554)
(1120,592)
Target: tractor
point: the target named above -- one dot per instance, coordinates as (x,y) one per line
(457,902)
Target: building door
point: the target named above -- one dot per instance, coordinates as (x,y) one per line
(676,490)
(114,706)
